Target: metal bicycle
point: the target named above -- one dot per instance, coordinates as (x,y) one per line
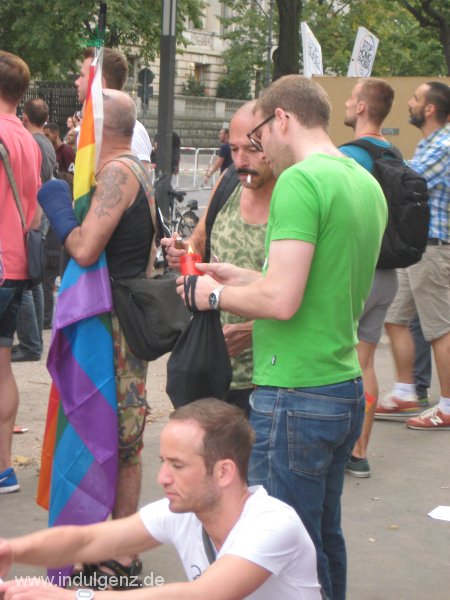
(182,219)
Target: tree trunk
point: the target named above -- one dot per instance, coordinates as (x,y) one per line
(433,16)
(286,58)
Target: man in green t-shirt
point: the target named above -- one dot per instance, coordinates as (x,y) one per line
(327,217)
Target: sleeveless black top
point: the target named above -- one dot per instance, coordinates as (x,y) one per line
(128,249)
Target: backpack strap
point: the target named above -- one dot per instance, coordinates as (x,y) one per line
(143,176)
(226,187)
(375,150)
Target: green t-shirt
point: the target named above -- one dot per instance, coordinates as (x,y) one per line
(339,207)
(235,241)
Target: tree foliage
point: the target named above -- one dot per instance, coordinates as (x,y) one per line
(50,36)
(405,49)
(246,32)
(192,87)
(432,16)
(414,35)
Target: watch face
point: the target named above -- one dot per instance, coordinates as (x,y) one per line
(212,300)
(84,594)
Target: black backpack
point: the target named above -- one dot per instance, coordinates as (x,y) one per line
(224,190)
(406,192)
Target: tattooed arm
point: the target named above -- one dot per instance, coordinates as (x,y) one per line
(116,190)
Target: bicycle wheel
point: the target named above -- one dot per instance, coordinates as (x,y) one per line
(186,223)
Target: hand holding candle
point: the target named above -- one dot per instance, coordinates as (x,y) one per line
(187,263)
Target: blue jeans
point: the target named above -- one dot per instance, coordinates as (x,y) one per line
(304,438)
(30,322)
(422,360)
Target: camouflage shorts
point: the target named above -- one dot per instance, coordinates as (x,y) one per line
(132,407)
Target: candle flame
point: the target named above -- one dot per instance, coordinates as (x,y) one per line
(190,251)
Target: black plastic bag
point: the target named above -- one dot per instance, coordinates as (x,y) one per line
(199,366)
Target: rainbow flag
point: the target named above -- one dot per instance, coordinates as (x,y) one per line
(78,474)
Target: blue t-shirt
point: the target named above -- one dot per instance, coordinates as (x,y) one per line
(360,154)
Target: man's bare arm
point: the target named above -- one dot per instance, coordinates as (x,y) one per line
(116,189)
(58,546)
(229,578)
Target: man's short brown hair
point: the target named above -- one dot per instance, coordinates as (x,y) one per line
(36,110)
(227,432)
(300,96)
(378,96)
(14,77)
(114,69)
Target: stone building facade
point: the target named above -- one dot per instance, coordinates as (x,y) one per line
(200,59)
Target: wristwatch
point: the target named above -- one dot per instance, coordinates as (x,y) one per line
(214,298)
(84,594)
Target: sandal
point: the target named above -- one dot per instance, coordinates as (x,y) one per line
(112,575)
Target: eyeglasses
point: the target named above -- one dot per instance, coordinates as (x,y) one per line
(255,141)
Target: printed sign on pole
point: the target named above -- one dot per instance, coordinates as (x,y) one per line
(363,55)
(312,52)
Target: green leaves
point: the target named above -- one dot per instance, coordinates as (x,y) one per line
(50,35)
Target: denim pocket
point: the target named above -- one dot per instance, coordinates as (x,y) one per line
(263,402)
(312,439)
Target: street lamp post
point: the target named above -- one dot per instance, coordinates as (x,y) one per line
(166,103)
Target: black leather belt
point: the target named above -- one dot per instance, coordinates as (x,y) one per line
(436,242)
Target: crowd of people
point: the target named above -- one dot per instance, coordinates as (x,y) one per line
(290,241)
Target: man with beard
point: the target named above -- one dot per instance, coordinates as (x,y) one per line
(237,236)
(425,287)
(327,218)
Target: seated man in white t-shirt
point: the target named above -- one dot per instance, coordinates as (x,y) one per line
(234,541)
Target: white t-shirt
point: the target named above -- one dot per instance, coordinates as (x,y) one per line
(140,143)
(268,533)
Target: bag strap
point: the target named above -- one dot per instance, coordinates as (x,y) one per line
(142,175)
(375,150)
(12,183)
(208,546)
(226,187)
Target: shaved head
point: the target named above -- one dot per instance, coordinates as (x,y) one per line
(119,114)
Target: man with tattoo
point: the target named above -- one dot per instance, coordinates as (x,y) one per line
(119,222)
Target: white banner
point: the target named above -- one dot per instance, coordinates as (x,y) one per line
(312,52)
(363,55)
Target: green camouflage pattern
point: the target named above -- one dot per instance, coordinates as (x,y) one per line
(132,407)
(237,242)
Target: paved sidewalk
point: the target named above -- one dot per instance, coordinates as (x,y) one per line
(395,550)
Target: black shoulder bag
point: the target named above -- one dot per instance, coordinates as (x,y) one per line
(151,313)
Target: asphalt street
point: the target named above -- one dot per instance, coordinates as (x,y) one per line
(395,550)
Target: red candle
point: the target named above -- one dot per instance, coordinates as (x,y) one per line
(187,263)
